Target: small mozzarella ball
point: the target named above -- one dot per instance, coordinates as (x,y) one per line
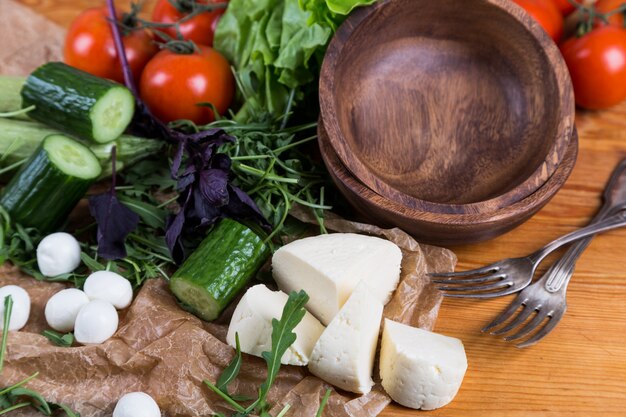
(63,307)
(21,306)
(111,287)
(136,404)
(96,322)
(58,253)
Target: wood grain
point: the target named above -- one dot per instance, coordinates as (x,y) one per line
(446,121)
(580,369)
(441,228)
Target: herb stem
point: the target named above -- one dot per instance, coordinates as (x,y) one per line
(18,112)
(14,407)
(13,166)
(225,397)
(265,175)
(323,403)
(284,410)
(19,384)
(8,309)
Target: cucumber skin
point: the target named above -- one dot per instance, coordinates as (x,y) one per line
(223,264)
(63,97)
(40,195)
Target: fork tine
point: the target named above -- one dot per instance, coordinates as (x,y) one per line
(479,271)
(506,314)
(550,325)
(519,319)
(532,325)
(469,280)
(479,288)
(506,290)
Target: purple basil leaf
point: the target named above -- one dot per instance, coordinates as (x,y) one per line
(213,185)
(186,180)
(174,229)
(207,153)
(203,213)
(221,161)
(242,206)
(178,159)
(115,221)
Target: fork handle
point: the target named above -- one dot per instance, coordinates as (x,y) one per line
(614,198)
(612,222)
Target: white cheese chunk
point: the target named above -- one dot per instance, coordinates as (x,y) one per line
(252,320)
(328,268)
(136,404)
(58,253)
(96,322)
(111,287)
(420,369)
(63,307)
(344,354)
(21,306)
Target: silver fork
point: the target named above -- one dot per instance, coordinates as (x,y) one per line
(546,298)
(513,274)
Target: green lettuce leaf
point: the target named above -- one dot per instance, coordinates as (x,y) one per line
(277,47)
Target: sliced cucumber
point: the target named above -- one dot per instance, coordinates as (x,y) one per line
(51,183)
(77,102)
(219,269)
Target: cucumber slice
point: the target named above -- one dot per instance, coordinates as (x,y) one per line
(219,269)
(47,187)
(77,102)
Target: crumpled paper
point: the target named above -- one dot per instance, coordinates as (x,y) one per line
(167,352)
(161,349)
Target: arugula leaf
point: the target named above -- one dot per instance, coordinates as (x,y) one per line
(282,338)
(68,411)
(8,309)
(62,340)
(36,399)
(232,370)
(151,215)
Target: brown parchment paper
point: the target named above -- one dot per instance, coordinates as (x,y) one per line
(161,349)
(167,352)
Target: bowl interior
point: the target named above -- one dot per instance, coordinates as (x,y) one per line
(444,103)
(439,228)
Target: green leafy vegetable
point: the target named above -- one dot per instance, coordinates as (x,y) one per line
(11,398)
(8,309)
(277,48)
(59,339)
(282,338)
(232,370)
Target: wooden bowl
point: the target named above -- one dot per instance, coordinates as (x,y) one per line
(447,107)
(441,228)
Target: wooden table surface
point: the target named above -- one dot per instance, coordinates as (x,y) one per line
(579,369)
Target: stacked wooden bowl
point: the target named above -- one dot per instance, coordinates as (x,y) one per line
(455,123)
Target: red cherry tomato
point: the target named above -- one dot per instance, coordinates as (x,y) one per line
(564,6)
(606,6)
(199,29)
(89,46)
(597,65)
(546,13)
(173,85)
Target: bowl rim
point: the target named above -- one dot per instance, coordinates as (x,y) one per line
(537,199)
(545,170)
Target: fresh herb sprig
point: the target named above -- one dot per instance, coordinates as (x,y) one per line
(59,339)
(283,337)
(16,396)
(147,253)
